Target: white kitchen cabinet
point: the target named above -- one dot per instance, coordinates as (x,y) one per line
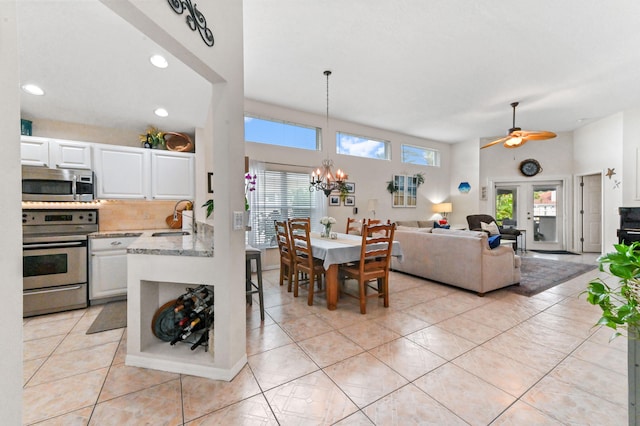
(34,151)
(108,267)
(172,175)
(121,172)
(69,154)
(55,153)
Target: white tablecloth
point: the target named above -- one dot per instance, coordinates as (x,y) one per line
(346,248)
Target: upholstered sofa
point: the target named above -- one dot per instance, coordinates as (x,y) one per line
(459,258)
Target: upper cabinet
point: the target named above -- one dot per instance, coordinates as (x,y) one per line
(55,153)
(172,175)
(70,154)
(121,172)
(138,173)
(34,151)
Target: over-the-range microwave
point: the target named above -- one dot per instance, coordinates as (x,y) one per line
(44,184)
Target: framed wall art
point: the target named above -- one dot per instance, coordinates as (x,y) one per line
(334,200)
(351,187)
(350,200)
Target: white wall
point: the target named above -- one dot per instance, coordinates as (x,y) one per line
(370,176)
(465,167)
(597,147)
(631,155)
(222,65)
(11,259)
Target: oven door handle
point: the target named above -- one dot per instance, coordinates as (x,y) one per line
(54,245)
(55,290)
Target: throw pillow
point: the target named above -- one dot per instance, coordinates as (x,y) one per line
(437,225)
(494,241)
(405,228)
(491,228)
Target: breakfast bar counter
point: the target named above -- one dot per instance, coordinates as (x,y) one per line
(161,268)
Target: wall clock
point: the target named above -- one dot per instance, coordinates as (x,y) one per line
(530,167)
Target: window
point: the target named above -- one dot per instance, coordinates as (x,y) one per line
(281,195)
(406,190)
(362,146)
(419,155)
(281,133)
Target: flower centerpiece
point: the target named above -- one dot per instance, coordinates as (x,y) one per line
(154,138)
(327,221)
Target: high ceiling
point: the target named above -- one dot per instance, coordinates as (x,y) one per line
(442,70)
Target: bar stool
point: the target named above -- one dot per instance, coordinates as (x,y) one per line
(253,253)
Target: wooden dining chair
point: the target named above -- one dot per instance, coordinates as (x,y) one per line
(300,219)
(286,255)
(354,226)
(371,222)
(303,260)
(375,259)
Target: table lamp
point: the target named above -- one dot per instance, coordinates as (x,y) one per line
(443,209)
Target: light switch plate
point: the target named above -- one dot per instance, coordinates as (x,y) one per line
(238,221)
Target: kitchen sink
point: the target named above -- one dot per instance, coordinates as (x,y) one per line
(170,233)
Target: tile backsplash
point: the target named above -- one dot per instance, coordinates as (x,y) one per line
(121,215)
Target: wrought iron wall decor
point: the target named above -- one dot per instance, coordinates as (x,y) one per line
(195,19)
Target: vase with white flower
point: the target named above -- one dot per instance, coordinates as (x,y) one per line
(327,222)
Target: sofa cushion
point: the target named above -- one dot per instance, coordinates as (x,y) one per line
(411,223)
(437,225)
(494,241)
(491,228)
(427,230)
(405,228)
(425,223)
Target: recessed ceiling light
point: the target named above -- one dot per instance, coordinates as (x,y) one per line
(159,61)
(32,89)
(161,112)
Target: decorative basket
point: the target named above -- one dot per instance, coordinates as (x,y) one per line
(178,142)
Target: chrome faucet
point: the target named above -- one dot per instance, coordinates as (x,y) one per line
(193,216)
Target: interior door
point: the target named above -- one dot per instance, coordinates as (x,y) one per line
(591,213)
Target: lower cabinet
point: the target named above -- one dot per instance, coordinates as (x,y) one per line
(108,267)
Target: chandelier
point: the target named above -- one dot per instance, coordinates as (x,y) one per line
(323,178)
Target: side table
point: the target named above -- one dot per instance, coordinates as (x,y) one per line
(522,240)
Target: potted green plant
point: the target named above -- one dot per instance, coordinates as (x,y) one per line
(209,206)
(154,138)
(620,306)
(392,187)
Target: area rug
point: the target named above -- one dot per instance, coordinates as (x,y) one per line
(555,252)
(537,275)
(112,316)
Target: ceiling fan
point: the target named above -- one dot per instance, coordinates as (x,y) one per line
(518,137)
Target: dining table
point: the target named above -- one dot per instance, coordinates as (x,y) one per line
(344,248)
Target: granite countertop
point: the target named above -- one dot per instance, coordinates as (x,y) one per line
(197,245)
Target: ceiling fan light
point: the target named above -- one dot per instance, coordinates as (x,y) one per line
(513,142)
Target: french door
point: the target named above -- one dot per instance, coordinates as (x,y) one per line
(536,208)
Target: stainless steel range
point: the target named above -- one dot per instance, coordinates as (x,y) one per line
(54,255)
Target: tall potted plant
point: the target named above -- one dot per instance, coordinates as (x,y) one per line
(620,306)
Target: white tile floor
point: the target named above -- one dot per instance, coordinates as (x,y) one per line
(438,355)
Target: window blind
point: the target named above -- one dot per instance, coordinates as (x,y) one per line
(281,195)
